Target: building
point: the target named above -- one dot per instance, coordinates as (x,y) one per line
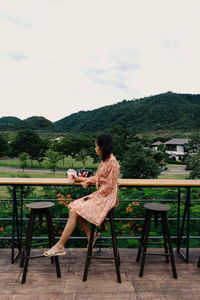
(174,147)
(155,145)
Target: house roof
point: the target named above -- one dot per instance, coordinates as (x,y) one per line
(177,142)
(156,143)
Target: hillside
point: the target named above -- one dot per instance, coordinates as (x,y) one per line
(163,112)
(33,123)
(41,123)
(10,123)
(168,112)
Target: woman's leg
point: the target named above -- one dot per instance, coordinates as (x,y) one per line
(84,225)
(69,228)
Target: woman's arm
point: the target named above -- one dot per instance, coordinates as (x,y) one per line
(85,181)
(111,180)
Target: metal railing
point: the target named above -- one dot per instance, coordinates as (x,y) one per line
(130,217)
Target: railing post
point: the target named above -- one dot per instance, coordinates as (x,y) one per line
(186,217)
(15,227)
(178,220)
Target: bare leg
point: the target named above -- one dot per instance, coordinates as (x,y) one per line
(84,225)
(69,228)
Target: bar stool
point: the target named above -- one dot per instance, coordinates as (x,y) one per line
(116,256)
(198,265)
(156,209)
(41,209)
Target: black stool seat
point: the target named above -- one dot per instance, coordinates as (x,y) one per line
(41,209)
(156,209)
(116,256)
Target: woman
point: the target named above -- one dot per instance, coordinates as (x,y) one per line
(94,207)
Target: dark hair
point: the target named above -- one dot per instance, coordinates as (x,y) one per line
(105,143)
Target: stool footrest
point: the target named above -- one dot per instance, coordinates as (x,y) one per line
(40,244)
(100,257)
(103,245)
(35,256)
(162,254)
(155,243)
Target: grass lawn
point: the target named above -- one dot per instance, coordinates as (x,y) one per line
(175,166)
(3,189)
(62,164)
(173,176)
(33,175)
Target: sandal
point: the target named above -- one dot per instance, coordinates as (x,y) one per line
(52,252)
(96,237)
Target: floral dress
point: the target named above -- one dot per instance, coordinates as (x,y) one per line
(96,206)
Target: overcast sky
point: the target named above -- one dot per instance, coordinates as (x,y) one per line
(58,57)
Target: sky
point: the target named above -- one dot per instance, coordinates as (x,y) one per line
(58,57)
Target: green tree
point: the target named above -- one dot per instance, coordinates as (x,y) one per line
(27,141)
(23,158)
(53,157)
(82,156)
(138,162)
(193,163)
(78,147)
(121,139)
(3,145)
(193,144)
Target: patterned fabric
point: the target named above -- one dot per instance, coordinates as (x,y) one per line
(96,206)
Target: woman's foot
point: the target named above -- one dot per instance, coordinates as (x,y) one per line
(55,251)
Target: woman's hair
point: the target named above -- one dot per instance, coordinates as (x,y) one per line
(105,143)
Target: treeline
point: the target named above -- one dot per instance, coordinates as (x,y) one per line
(32,123)
(163,112)
(135,154)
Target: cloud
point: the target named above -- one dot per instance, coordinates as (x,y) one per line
(16,20)
(16,56)
(114,70)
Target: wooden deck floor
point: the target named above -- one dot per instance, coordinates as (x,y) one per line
(157,282)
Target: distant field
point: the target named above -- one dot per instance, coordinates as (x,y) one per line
(173,176)
(3,189)
(33,175)
(62,164)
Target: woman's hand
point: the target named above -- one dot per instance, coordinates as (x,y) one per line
(85,184)
(76,178)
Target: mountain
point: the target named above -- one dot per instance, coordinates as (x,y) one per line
(41,123)
(10,123)
(168,111)
(164,112)
(33,123)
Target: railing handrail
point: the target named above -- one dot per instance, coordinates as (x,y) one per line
(122,182)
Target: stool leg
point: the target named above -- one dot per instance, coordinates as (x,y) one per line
(89,253)
(115,250)
(25,244)
(165,221)
(165,239)
(111,218)
(145,240)
(52,240)
(27,248)
(141,239)
(198,265)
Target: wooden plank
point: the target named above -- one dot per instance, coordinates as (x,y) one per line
(122,182)
(157,282)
